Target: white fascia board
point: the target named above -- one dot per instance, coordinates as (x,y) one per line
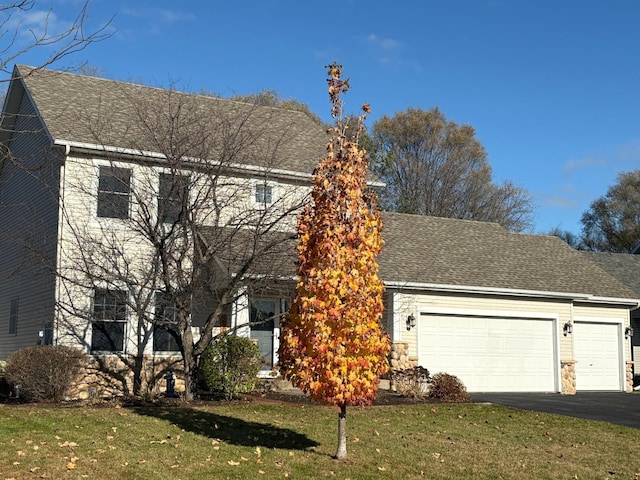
(510,291)
(159,156)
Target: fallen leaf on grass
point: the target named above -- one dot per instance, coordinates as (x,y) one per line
(71,466)
(68,444)
(231,462)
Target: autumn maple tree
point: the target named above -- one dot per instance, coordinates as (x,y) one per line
(332,344)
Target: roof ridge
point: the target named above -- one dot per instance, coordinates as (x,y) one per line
(132,83)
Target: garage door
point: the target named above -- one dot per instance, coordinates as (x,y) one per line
(597,353)
(490,354)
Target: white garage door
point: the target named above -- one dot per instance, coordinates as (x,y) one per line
(490,354)
(597,353)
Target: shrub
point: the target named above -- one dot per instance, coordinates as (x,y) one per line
(230,365)
(5,389)
(44,373)
(411,382)
(447,388)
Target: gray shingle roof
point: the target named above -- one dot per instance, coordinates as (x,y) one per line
(443,251)
(623,266)
(92,110)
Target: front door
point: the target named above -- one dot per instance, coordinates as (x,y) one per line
(263,313)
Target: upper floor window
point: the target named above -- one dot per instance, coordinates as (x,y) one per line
(172,193)
(165,336)
(114,189)
(264,194)
(109,320)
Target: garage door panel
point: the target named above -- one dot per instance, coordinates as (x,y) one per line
(597,355)
(490,353)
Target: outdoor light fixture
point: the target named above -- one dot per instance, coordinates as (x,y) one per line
(567,328)
(411,322)
(628,332)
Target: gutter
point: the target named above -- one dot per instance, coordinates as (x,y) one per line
(512,292)
(133,153)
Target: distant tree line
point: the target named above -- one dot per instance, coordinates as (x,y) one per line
(612,222)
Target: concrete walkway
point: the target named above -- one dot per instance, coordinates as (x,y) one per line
(613,407)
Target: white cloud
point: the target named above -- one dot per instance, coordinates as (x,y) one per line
(158,19)
(562,202)
(388,51)
(575,165)
(385,44)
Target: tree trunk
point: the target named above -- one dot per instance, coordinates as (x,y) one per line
(189,361)
(341,454)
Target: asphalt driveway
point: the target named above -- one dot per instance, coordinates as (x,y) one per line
(613,407)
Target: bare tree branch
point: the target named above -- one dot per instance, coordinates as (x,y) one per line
(17,37)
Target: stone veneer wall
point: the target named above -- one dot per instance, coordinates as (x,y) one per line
(629,377)
(111,376)
(399,358)
(568,377)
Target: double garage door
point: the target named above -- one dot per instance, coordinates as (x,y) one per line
(494,354)
(490,354)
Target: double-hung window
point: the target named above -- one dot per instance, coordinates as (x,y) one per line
(165,336)
(109,321)
(114,191)
(172,195)
(264,194)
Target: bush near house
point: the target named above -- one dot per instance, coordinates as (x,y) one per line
(230,366)
(417,382)
(447,388)
(44,373)
(411,382)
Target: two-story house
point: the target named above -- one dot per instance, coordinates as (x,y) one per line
(124,205)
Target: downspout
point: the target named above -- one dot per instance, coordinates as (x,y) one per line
(55,326)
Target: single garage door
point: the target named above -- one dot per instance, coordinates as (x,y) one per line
(596,349)
(490,354)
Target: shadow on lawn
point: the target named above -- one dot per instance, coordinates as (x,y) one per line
(228,429)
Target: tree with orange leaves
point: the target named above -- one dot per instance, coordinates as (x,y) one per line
(332,344)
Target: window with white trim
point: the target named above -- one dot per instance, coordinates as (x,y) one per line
(264,194)
(165,335)
(114,191)
(109,321)
(172,193)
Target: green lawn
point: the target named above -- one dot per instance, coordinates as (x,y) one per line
(261,440)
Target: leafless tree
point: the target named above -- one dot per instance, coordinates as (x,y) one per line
(191,218)
(432,166)
(18,37)
(612,222)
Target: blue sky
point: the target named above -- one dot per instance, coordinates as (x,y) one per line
(552,87)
